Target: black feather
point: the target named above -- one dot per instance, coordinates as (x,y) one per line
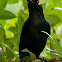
(31,36)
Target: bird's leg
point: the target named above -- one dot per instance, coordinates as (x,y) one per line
(21,60)
(22,54)
(43,59)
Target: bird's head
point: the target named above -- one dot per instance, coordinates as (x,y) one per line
(34,1)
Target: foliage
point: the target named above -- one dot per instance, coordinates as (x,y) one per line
(13,14)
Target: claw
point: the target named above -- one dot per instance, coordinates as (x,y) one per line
(21,60)
(43,60)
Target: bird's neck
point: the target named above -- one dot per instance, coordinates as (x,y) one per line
(35,11)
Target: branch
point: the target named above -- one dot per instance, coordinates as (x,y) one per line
(48,60)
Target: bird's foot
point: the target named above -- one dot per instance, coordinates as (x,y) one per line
(43,60)
(21,60)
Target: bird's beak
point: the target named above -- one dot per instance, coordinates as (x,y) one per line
(29,0)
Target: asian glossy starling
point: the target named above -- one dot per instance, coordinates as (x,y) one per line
(31,36)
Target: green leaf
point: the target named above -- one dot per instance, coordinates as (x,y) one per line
(2,58)
(12,1)
(2,4)
(3,22)
(45,53)
(24,14)
(11,56)
(32,56)
(15,40)
(56,51)
(27,58)
(8,51)
(8,42)
(53,18)
(57,12)
(21,19)
(12,8)
(11,23)
(2,32)
(25,4)
(6,15)
(42,1)
(9,34)
(25,50)
(56,2)
(56,46)
(15,30)
(53,53)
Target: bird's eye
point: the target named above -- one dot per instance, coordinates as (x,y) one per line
(38,1)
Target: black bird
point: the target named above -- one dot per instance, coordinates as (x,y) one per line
(31,36)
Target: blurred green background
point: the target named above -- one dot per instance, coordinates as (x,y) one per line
(13,14)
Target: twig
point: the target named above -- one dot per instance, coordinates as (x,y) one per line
(48,60)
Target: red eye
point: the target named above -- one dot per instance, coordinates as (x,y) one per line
(38,1)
